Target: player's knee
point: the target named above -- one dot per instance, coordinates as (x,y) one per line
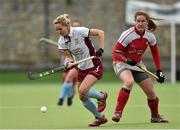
(68,79)
(82,95)
(129,83)
(151,95)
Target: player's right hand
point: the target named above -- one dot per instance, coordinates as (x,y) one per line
(161,76)
(131,62)
(69,64)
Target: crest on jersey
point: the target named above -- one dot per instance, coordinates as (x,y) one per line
(67,40)
(76,41)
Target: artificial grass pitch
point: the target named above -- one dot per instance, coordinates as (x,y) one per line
(20,107)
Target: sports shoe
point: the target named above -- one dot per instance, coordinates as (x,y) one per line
(159,119)
(102,102)
(69,101)
(60,102)
(98,121)
(117,116)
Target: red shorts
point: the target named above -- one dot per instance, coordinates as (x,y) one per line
(95,71)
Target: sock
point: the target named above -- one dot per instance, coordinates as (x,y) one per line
(88,104)
(92,93)
(122,99)
(69,90)
(62,93)
(153,105)
(64,90)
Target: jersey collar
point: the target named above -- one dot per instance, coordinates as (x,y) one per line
(139,32)
(67,39)
(71,32)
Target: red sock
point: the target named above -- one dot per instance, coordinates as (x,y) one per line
(153,105)
(122,99)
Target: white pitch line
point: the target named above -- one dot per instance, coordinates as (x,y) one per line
(25,107)
(54,106)
(163,105)
(89,129)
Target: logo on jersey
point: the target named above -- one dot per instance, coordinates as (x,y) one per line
(76,41)
(77,51)
(138,52)
(67,40)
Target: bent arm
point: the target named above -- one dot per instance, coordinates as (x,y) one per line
(156,56)
(119,56)
(100,34)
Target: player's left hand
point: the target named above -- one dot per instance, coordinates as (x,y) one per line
(131,62)
(99,52)
(161,76)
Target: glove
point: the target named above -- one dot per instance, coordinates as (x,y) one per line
(131,62)
(99,52)
(160,75)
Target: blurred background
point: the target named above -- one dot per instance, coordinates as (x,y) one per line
(24,22)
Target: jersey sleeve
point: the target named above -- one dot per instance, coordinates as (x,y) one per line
(152,40)
(123,41)
(156,56)
(125,37)
(84,32)
(118,56)
(155,51)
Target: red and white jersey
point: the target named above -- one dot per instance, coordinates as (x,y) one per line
(80,46)
(134,44)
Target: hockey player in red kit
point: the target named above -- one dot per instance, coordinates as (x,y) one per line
(133,43)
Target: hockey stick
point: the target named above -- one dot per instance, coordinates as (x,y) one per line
(32,76)
(140,67)
(43,39)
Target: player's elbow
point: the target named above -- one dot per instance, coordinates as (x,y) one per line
(101,33)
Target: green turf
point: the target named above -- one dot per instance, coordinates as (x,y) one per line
(20,107)
(21,77)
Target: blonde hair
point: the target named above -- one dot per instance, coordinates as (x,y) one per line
(63,19)
(151,25)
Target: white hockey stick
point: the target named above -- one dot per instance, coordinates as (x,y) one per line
(46,40)
(32,76)
(142,68)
